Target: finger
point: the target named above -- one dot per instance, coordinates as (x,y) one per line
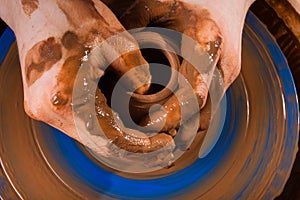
(171,114)
(230,60)
(205,33)
(177,109)
(48,93)
(131,65)
(119,137)
(196,81)
(96,24)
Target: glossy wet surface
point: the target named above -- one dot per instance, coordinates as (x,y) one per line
(252,158)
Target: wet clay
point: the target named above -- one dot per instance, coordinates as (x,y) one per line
(180,17)
(88,26)
(85,10)
(40,58)
(62,97)
(46,177)
(87,21)
(174,15)
(75,45)
(122,139)
(29,6)
(93,27)
(70,40)
(172,107)
(27,143)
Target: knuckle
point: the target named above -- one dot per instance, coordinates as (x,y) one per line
(231,68)
(32,110)
(28,110)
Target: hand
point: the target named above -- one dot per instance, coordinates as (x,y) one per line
(52,39)
(216,25)
(51,52)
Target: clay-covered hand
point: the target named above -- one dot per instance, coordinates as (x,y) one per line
(215,25)
(53,38)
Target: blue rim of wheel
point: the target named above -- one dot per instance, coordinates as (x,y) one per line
(76,162)
(6,39)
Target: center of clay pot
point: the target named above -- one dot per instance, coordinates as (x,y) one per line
(164,81)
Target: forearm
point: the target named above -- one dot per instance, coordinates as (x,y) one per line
(10,10)
(28,19)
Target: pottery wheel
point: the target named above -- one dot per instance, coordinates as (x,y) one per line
(251,159)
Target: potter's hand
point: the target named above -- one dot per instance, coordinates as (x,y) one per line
(215,25)
(53,37)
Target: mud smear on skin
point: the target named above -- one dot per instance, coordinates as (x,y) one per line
(40,58)
(62,97)
(29,6)
(85,9)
